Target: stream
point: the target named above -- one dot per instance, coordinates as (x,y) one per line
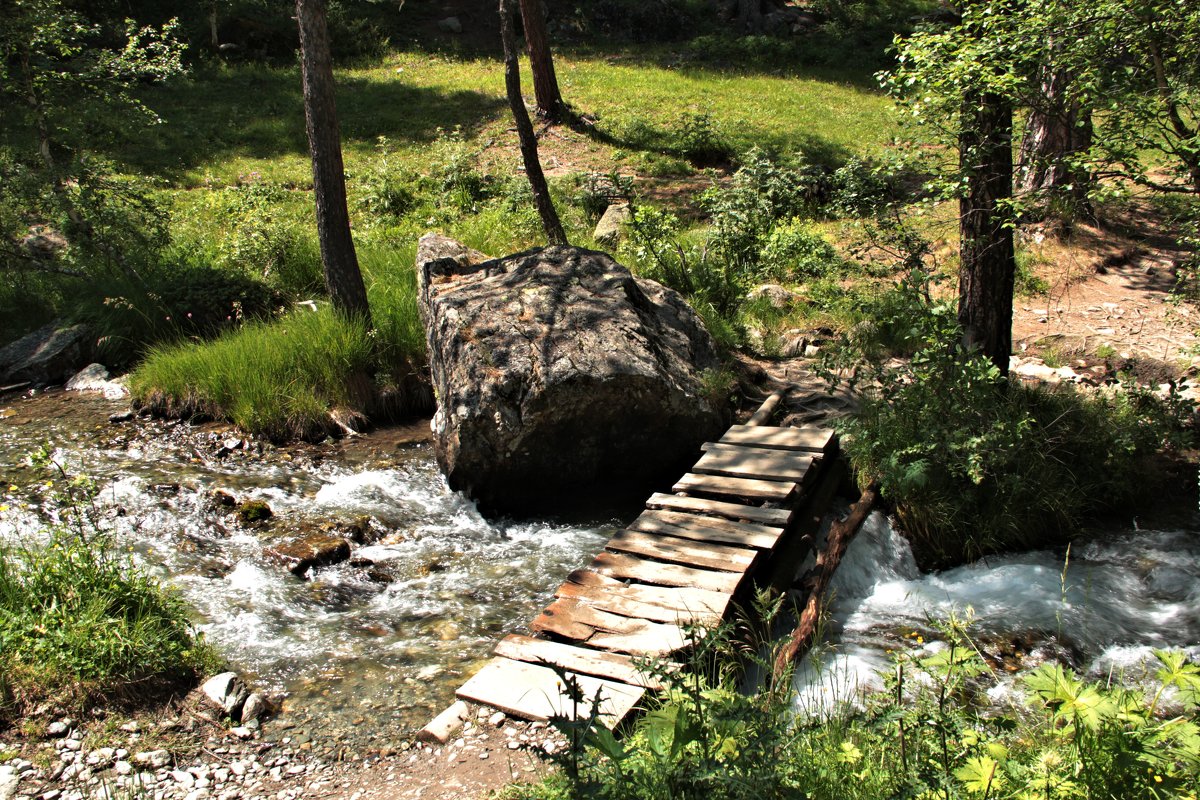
(366,651)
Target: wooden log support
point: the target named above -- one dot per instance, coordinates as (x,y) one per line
(840,534)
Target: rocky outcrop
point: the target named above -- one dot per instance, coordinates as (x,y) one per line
(49,355)
(611,227)
(557,370)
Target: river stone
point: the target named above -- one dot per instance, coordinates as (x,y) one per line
(226,691)
(9,778)
(314,550)
(558,372)
(49,355)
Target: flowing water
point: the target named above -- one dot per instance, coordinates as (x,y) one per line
(1102,606)
(367,649)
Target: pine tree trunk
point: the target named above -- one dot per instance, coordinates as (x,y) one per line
(988,262)
(342,276)
(545,83)
(1057,130)
(529,154)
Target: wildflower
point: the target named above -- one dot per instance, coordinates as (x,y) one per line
(3,506)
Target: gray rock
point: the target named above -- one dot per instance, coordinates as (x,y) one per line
(778,296)
(314,550)
(49,355)
(9,778)
(555,370)
(154,759)
(226,691)
(610,229)
(255,706)
(450,25)
(59,728)
(94,378)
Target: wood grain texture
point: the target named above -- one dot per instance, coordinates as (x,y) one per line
(534,692)
(778,517)
(723,485)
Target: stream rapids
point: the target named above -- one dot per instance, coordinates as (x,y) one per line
(364,652)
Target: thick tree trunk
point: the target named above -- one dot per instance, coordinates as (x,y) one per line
(988,262)
(1057,131)
(750,16)
(545,83)
(529,153)
(342,276)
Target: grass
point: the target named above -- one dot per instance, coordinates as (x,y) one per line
(79,621)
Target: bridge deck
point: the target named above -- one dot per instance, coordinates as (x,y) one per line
(680,562)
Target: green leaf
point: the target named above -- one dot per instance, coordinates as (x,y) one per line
(980,775)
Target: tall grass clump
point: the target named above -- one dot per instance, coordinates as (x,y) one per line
(976,464)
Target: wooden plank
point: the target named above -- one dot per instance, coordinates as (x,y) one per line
(809,439)
(677,604)
(776,491)
(707,529)
(683,551)
(654,572)
(753,462)
(611,666)
(777,517)
(610,631)
(535,692)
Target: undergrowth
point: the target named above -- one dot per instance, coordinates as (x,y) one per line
(976,464)
(80,620)
(931,734)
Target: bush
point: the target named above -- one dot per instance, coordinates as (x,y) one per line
(793,253)
(698,138)
(975,465)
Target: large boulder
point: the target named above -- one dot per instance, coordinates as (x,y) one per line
(50,355)
(557,371)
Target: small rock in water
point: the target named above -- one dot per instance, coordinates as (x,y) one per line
(255,706)
(124,416)
(253,511)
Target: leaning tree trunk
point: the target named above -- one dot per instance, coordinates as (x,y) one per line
(1058,131)
(988,262)
(529,153)
(545,83)
(342,276)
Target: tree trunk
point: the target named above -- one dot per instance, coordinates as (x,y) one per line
(1057,131)
(545,84)
(750,17)
(342,276)
(529,153)
(988,262)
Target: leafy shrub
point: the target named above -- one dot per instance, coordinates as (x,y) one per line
(976,466)
(698,138)
(388,189)
(793,253)
(860,187)
(931,733)
(454,170)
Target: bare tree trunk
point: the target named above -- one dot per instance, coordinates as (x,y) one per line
(1057,131)
(342,276)
(545,83)
(750,17)
(529,153)
(988,261)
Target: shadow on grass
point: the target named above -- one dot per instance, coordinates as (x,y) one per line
(258,112)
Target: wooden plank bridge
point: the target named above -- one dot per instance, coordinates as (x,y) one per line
(741,517)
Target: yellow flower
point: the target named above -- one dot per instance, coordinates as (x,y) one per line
(3,506)
(1158,778)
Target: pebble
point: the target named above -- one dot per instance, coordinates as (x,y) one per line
(155,759)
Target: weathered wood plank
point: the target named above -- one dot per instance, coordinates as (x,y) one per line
(612,666)
(683,551)
(653,572)
(676,604)
(809,439)
(753,462)
(707,529)
(778,517)
(610,631)
(777,491)
(535,692)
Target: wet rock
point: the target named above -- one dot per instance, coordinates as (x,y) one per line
(222,499)
(165,489)
(124,416)
(610,229)
(226,691)
(49,355)
(557,369)
(314,550)
(253,511)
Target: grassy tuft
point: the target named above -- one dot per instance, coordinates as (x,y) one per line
(78,620)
